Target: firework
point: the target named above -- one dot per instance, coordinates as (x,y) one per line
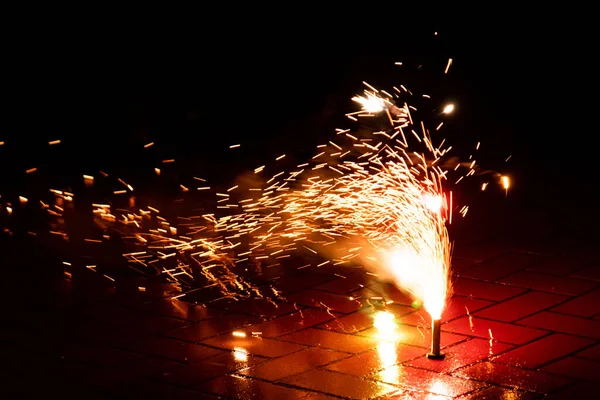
(372,198)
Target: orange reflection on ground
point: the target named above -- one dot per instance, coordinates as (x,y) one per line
(439,388)
(388,336)
(240,354)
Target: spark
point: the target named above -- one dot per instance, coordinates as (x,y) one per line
(448,66)
(448,109)
(376,199)
(387,201)
(371,103)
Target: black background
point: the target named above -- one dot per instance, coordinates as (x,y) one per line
(281,85)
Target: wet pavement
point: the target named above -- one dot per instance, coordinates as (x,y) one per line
(523,323)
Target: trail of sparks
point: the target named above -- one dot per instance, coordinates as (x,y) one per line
(373,197)
(367,198)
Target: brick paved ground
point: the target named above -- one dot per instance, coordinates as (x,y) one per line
(524,321)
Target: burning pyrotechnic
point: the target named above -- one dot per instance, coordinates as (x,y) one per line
(373,198)
(370,197)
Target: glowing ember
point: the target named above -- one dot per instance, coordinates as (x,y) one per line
(448,109)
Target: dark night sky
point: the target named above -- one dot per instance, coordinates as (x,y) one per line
(279,88)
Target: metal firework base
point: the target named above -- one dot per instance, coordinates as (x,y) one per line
(436,329)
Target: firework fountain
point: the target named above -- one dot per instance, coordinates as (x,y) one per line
(370,197)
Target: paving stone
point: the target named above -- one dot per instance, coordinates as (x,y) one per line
(331,340)
(542,351)
(593,353)
(460,355)
(370,362)
(290,323)
(501,266)
(363,319)
(341,385)
(549,283)
(192,374)
(324,300)
(591,273)
(457,306)
(254,345)
(319,396)
(575,367)
(496,392)
(405,394)
(521,306)
(580,390)
(212,327)
(352,323)
(259,307)
(563,323)
(345,285)
(560,265)
(412,335)
(518,378)
(484,290)
(244,388)
(585,305)
(172,349)
(460,264)
(416,379)
(419,318)
(295,284)
(501,331)
(478,252)
(292,364)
